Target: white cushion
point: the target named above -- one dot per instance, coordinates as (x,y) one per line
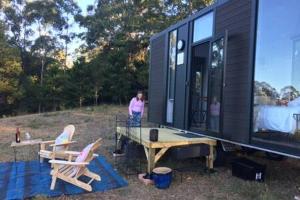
(62,139)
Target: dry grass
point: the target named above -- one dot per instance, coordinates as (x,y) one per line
(283,178)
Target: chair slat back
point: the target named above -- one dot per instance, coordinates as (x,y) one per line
(90,156)
(70,129)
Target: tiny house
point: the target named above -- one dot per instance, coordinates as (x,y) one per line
(231,72)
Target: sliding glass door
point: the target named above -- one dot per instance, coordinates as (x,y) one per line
(207,86)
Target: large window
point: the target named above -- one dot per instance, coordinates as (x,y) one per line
(216,84)
(171,75)
(203,27)
(277,70)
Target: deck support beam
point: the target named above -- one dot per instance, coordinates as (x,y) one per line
(167,139)
(152,157)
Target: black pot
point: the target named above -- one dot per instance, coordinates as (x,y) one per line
(153,135)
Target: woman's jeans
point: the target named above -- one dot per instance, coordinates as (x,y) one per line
(134,121)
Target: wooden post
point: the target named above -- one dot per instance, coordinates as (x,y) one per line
(210,158)
(42,147)
(160,154)
(151,159)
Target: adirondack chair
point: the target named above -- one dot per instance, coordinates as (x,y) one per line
(70,171)
(55,148)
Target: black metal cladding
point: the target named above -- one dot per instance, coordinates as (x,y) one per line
(157,80)
(235,16)
(180,85)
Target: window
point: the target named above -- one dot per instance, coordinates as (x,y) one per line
(172,63)
(203,27)
(215,84)
(277,69)
(171,75)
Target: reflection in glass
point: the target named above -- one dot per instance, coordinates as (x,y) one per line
(171,75)
(277,69)
(215,84)
(203,27)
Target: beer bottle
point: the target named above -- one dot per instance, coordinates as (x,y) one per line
(18,140)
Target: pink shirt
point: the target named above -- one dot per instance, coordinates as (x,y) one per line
(215,109)
(136,106)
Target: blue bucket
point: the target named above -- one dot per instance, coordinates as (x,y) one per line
(162,177)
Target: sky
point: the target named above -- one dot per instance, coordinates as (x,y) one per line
(277,57)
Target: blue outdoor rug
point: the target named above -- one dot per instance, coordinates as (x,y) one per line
(28,179)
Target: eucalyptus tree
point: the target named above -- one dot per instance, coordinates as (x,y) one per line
(69,10)
(50,18)
(19,29)
(10,69)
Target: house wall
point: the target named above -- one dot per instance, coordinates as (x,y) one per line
(181,78)
(157,79)
(235,17)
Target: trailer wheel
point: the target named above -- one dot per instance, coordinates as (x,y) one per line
(274,156)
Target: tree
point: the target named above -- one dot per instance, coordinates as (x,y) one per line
(289,93)
(49,18)
(118,32)
(80,88)
(19,27)
(10,70)
(54,87)
(114,62)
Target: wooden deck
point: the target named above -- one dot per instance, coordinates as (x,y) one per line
(167,138)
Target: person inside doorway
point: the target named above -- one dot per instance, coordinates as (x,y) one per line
(214,115)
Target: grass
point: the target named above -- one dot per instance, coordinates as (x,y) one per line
(282,181)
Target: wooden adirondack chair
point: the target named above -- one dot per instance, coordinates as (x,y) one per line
(51,150)
(70,171)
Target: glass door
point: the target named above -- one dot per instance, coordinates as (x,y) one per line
(216,83)
(199,87)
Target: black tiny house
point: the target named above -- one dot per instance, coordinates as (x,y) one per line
(232,72)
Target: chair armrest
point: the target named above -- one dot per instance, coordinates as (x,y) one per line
(62,162)
(62,144)
(76,153)
(48,142)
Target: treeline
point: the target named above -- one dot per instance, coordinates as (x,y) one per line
(35,38)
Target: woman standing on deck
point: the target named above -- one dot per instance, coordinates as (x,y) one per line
(136,109)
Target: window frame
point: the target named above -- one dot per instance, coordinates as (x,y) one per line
(253,138)
(199,41)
